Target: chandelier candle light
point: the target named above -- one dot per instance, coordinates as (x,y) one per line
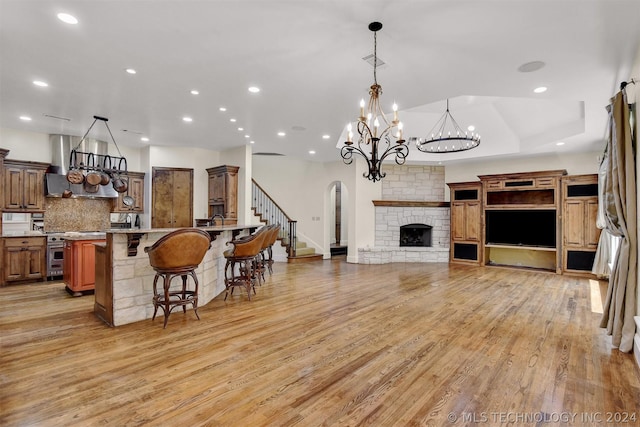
(447,140)
(369,128)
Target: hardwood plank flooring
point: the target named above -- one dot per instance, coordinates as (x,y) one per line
(325,343)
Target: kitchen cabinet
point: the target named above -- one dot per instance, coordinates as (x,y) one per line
(24,186)
(579,231)
(3,154)
(24,259)
(136,191)
(466,221)
(223,193)
(172,197)
(79,271)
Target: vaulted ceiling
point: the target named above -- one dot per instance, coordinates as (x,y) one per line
(306,57)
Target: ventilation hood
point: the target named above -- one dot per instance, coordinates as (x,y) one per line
(56,182)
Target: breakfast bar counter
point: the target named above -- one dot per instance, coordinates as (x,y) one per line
(124,277)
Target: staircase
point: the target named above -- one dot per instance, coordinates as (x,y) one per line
(269,212)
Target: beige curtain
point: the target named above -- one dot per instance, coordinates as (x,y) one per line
(621,220)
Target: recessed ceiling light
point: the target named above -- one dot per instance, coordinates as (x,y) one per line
(131,71)
(312,152)
(281,134)
(540,89)
(254,89)
(222,109)
(232,120)
(240,129)
(40,83)
(471,128)
(187,119)
(67,19)
(531,66)
(252,142)
(326,136)
(247,136)
(144,139)
(25,118)
(195,92)
(560,143)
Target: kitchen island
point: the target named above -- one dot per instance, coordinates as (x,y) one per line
(124,277)
(79,261)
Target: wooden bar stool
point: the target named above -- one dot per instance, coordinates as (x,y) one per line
(244,255)
(177,254)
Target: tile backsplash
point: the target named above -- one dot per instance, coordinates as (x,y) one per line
(77,214)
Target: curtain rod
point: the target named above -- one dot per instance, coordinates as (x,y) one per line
(624,84)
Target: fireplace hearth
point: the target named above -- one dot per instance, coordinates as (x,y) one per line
(416,235)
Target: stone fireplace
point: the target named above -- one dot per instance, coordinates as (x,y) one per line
(412,195)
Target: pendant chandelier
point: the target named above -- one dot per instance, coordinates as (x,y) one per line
(447,137)
(375,139)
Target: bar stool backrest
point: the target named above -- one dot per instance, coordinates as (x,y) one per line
(183,248)
(248,246)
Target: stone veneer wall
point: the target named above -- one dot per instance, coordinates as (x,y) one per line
(422,183)
(410,183)
(77,214)
(133,278)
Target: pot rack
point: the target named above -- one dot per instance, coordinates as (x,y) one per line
(83,161)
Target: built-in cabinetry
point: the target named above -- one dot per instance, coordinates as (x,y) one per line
(135,190)
(23,186)
(543,220)
(3,154)
(79,271)
(223,193)
(522,219)
(172,197)
(466,221)
(580,234)
(23,259)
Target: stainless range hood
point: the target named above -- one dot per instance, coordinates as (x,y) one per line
(56,183)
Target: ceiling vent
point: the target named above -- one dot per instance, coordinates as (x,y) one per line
(267,154)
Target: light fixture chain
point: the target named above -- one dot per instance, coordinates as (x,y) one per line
(375,57)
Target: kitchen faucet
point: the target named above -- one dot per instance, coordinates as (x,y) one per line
(213,218)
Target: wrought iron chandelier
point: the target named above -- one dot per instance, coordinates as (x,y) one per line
(447,139)
(379,141)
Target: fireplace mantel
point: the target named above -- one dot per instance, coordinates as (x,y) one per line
(410,204)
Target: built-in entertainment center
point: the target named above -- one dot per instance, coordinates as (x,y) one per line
(541,220)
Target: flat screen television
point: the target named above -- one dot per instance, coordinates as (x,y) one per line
(521,227)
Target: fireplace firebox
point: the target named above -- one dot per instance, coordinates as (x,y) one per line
(415,235)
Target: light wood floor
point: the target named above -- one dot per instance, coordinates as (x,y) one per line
(325,343)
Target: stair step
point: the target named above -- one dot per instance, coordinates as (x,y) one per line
(305,258)
(305,251)
(300,245)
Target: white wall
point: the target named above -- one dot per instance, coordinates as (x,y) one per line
(23,145)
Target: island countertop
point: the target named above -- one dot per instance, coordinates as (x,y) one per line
(124,277)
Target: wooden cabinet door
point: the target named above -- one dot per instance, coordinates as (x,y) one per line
(13,184)
(472,216)
(574,223)
(172,198)
(231,195)
(162,199)
(13,263)
(457,220)
(183,198)
(33,187)
(592,232)
(217,188)
(136,190)
(34,267)
(86,265)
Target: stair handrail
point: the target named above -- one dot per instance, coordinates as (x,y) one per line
(274,214)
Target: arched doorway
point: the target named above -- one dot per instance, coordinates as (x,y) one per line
(338,222)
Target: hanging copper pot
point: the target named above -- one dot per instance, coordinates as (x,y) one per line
(119,184)
(104,178)
(90,188)
(75,176)
(93,178)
